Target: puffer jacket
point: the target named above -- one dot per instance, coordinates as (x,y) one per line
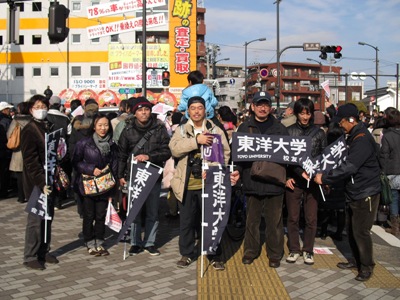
(318,144)
(182,143)
(361,169)
(16,158)
(389,155)
(156,147)
(256,187)
(202,91)
(87,157)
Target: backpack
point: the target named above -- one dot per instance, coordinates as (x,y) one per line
(15,137)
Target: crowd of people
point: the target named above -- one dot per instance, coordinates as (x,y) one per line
(96,141)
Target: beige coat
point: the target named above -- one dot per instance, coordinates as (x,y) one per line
(182,143)
(16,158)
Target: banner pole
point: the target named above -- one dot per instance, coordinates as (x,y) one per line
(128,204)
(202,214)
(46,180)
(322,193)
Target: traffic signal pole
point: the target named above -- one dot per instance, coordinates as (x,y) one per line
(144,54)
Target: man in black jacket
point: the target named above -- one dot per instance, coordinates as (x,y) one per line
(361,174)
(263,198)
(156,151)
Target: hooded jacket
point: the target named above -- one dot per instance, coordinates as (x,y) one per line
(389,156)
(202,91)
(361,169)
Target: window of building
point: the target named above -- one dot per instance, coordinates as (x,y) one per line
(37,72)
(114,38)
(19,72)
(95,41)
(36,6)
(95,2)
(95,71)
(76,6)
(76,39)
(21,6)
(76,71)
(36,39)
(1,40)
(21,40)
(54,71)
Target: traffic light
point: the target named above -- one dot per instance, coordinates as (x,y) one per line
(58,30)
(165,78)
(331,49)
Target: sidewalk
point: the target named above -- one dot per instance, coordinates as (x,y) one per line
(81,276)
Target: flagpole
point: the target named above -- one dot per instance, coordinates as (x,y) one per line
(202,215)
(128,204)
(46,182)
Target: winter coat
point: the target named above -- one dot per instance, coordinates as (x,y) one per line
(361,169)
(256,187)
(87,157)
(318,144)
(16,164)
(202,91)
(33,154)
(389,154)
(59,120)
(182,143)
(156,147)
(5,121)
(80,129)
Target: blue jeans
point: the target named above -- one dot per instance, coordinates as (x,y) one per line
(394,206)
(151,221)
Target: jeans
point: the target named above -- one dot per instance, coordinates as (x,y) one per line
(394,206)
(271,208)
(310,204)
(360,218)
(151,222)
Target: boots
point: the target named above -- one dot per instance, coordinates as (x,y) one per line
(394,221)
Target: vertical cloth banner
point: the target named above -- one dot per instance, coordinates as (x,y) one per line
(144,177)
(325,86)
(217,203)
(36,204)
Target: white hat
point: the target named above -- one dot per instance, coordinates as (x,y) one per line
(4,105)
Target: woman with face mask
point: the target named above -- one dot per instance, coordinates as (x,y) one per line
(36,252)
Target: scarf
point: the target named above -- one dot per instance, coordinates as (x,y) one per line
(102,143)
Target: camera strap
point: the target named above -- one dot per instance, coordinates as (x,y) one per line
(143,141)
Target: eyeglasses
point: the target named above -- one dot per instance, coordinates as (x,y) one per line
(262,105)
(40,107)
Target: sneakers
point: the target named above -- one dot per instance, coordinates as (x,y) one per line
(308,258)
(102,251)
(94,252)
(218,265)
(292,258)
(135,250)
(184,262)
(34,265)
(152,251)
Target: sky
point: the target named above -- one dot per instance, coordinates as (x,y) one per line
(231,23)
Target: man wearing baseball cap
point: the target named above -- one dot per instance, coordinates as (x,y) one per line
(263,198)
(360,171)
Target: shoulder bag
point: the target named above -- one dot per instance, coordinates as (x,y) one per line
(14,139)
(97,185)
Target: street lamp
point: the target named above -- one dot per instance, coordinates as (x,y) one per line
(318,62)
(215,68)
(376,68)
(245,64)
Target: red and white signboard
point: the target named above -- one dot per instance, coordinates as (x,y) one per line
(125,26)
(120,7)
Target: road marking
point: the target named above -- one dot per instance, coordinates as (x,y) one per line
(387,237)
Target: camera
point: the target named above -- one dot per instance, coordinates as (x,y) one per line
(195,164)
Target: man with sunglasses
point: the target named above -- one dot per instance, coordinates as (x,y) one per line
(360,172)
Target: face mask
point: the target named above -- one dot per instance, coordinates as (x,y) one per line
(39,114)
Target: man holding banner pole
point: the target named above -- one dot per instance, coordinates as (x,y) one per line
(34,150)
(187,145)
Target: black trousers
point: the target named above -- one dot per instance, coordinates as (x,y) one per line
(94,216)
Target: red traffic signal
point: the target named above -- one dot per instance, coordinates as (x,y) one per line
(331,49)
(337,52)
(165,78)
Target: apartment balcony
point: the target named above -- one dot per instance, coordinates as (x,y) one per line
(201,49)
(201,28)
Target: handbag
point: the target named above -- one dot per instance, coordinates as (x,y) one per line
(97,185)
(386,192)
(269,172)
(61,179)
(394,181)
(15,137)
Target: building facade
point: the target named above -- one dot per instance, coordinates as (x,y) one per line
(86,66)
